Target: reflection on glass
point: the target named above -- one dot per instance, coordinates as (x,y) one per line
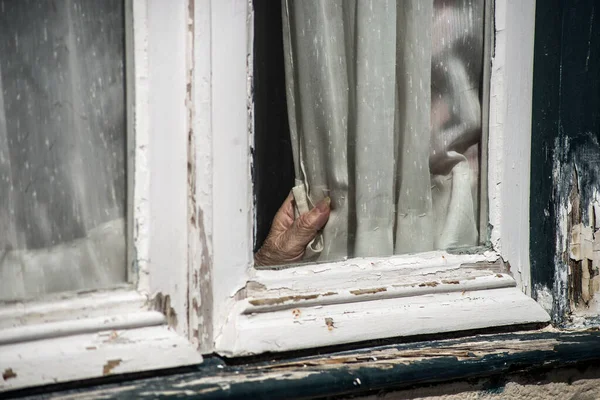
(384,111)
(62,146)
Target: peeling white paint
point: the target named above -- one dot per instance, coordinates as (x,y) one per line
(510,135)
(159,222)
(141,169)
(231,184)
(384,318)
(168,154)
(508,183)
(545,298)
(201,264)
(86,356)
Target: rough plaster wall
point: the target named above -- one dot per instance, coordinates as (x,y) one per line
(563,384)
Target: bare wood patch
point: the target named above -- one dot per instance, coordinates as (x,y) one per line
(390,357)
(285,299)
(500,266)
(8,374)
(368,291)
(583,257)
(162,303)
(288,295)
(110,365)
(329,323)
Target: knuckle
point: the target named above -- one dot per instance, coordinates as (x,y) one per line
(304,224)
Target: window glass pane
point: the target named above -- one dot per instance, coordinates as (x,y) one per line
(382,118)
(62,146)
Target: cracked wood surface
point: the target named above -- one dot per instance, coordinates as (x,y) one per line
(565,183)
(367,279)
(359,371)
(90,355)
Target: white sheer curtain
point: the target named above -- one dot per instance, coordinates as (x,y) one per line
(62,146)
(359,93)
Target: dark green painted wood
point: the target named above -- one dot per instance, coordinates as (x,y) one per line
(579,124)
(565,136)
(216,380)
(545,118)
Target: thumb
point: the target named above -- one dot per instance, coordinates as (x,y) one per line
(305,228)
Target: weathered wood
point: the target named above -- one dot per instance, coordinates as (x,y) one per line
(90,355)
(566,160)
(200,259)
(331,324)
(355,371)
(545,116)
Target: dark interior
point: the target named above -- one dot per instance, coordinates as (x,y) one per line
(273,168)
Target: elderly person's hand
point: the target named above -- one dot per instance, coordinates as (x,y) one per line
(289,236)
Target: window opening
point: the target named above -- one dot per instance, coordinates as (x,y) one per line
(383,120)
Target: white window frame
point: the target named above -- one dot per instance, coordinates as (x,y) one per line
(143,325)
(315,305)
(192,225)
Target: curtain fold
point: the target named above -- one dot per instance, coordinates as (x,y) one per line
(361,93)
(414,218)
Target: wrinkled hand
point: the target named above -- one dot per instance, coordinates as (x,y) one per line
(288,237)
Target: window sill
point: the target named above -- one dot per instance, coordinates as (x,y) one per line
(85,356)
(301,328)
(357,300)
(359,371)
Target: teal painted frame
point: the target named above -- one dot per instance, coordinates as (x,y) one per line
(565,141)
(354,372)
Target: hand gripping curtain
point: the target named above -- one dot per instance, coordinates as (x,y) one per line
(359,92)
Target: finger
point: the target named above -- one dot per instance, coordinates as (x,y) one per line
(287,208)
(284,218)
(305,228)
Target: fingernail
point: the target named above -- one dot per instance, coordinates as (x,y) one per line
(324,204)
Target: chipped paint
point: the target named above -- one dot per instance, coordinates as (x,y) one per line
(110,365)
(381,282)
(203,287)
(193,293)
(9,374)
(544,298)
(338,374)
(201,261)
(584,251)
(359,292)
(329,323)
(225,56)
(565,152)
(509,144)
(389,357)
(274,328)
(92,355)
(286,299)
(162,303)
(200,294)
(577,271)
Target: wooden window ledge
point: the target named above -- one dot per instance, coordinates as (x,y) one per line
(350,372)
